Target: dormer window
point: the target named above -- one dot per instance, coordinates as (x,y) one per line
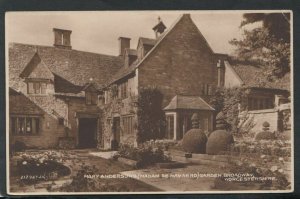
(91,98)
(37,87)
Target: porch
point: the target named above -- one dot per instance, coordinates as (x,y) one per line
(179,112)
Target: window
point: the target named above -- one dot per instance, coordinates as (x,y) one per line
(61,121)
(36,87)
(170,126)
(25,125)
(258,103)
(91,98)
(127,122)
(123,91)
(207,89)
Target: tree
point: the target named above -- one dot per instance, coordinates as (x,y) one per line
(151,117)
(268,45)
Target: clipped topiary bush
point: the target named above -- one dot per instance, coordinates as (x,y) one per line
(218,141)
(194,141)
(265,135)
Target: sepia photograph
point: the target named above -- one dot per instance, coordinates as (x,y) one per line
(129,102)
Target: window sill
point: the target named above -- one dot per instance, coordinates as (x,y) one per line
(38,95)
(27,135)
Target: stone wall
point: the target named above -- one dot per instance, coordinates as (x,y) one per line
(50,129)
(77,106)
(180,64)
(258,117)
(118,108)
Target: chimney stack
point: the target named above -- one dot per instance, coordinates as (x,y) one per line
(124,43)
(62,38)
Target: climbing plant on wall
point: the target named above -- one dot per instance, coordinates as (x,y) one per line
(151,117)
(230,102)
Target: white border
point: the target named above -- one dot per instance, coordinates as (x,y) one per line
(165,192)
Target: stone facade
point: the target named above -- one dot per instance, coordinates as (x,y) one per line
(182,63)
(50,129)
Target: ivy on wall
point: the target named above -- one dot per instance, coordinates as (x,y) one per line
(230,102)
(151,117)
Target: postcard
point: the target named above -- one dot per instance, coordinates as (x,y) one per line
(130,102)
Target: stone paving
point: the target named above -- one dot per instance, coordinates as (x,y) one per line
(180,179)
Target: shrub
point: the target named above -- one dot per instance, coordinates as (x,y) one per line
(151,117)
(218,141)
(194,141)
(265,135)
(19,146)
(144,154)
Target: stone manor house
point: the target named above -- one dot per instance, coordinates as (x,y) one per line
(59,95)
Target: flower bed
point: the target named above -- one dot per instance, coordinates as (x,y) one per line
(145,154)
(39,167)
(263,147)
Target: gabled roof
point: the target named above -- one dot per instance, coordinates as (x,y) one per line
(252,75)
(36,68)
(76,67)
(24,105)
(147,41)
(188,103)
(126,71)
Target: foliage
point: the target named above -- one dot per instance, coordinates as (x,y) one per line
(145,154)
(268,45)
(219,140)
(276,23)
(227,101)
(276,148)
(80,183)
(217,99)
(194,141)
(265,135)
(39,167)
(151,117)
(280,182)
(114,91)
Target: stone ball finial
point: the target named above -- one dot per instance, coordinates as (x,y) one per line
(195,121)
(265,134)
(266,126)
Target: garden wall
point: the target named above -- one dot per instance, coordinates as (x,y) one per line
(258,117)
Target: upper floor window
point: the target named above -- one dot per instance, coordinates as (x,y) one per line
(91,98)
(36,87)
(207,89)
(123,90)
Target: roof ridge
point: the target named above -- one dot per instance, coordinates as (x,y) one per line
(52,47)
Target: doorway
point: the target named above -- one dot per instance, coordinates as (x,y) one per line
(87,133)
(116,133)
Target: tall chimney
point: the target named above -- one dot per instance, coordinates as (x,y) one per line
(124,43)
(221,73)
(62,38)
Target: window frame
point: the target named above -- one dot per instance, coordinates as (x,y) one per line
(39,87)
(91,98)
(128,124)
(35,125)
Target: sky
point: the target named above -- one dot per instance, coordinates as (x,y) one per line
(98,31)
